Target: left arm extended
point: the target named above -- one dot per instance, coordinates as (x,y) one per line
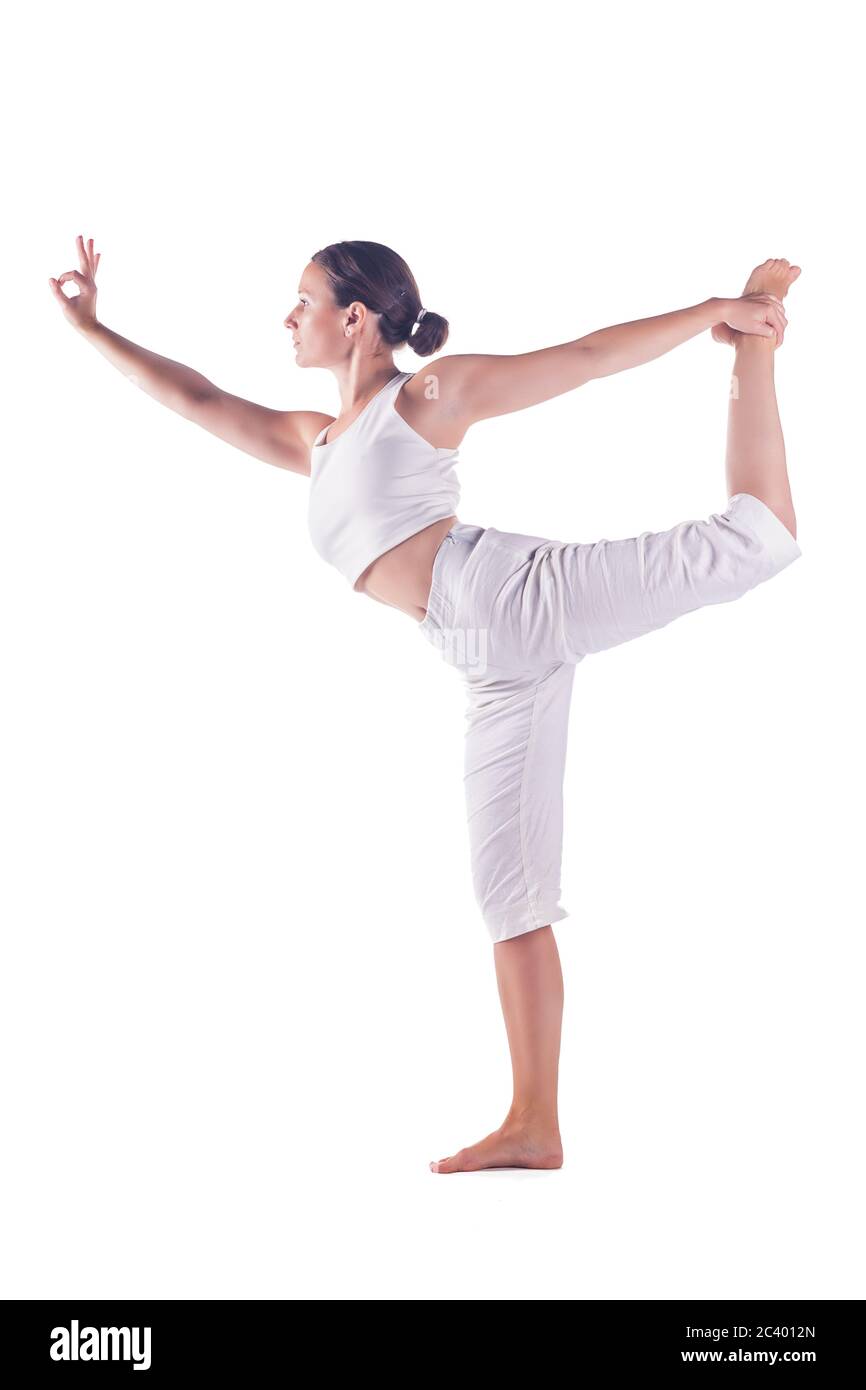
(477,386)
(631,344)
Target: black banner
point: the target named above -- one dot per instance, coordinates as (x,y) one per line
(237,1340)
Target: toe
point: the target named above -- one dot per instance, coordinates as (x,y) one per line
(445,1165)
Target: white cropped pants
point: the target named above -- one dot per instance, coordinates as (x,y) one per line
(515,614)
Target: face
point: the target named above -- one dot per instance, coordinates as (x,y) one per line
(317,325)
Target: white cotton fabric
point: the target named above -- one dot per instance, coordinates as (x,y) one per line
(515,614)
(376,484)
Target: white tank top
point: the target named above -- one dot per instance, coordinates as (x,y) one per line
(377,484)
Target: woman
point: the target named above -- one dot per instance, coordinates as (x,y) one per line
(514,613)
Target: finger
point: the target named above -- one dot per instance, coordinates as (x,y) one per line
(82,255)
(98,254)
(72,275)
(759,326)
(772,312)
(90,254)
(774,321)
(769,299)
(55,285)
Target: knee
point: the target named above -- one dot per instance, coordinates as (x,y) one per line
(773,523)
(787,518)
(783,511)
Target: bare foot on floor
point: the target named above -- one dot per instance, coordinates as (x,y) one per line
(773,277)
(513,1145)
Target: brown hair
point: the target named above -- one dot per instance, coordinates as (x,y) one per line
(378,277)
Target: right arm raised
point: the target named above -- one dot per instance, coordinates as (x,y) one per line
(280,437)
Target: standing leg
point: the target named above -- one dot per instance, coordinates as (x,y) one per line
(529,977)
(516,742)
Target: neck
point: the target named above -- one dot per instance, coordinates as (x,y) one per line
(361,379)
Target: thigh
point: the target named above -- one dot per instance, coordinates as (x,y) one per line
(515,751)
(541,601)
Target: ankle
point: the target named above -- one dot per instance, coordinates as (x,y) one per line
(532,1115)
(754,343)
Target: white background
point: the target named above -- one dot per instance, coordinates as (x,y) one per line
(246,991)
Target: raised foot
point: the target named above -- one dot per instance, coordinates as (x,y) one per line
(511,1146)
(775,276)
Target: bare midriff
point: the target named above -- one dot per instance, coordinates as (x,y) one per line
(403,575)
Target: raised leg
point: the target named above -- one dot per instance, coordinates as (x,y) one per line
(756,449)
(755,459)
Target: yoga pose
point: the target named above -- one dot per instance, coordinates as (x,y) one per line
(513,613)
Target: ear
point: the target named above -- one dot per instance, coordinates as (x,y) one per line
(356,314)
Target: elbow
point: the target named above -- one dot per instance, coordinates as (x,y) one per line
(589,363)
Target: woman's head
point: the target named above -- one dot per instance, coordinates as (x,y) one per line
(361,291)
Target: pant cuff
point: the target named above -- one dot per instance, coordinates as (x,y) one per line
(763,522)
(517,920)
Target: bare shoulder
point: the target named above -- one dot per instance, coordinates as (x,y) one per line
(300,430)
(431,402)
(462,388)
(438,382)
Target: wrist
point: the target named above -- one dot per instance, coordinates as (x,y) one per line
(716,309)
(88,330)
